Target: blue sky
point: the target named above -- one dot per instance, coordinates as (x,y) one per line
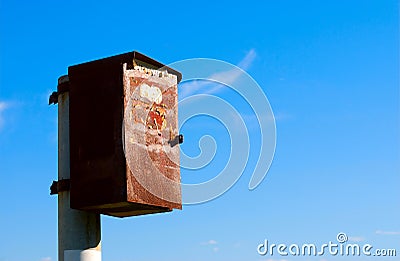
(330,71)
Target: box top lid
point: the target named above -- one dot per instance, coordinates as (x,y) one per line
(120,59)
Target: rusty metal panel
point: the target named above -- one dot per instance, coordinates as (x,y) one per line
(123,162)
(151,124)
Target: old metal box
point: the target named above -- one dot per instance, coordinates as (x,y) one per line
(124,152)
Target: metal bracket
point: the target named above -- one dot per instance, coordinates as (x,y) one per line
(177,140)
(63,86)
(53,99)
(58,186)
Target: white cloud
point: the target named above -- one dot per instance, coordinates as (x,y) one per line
(248,59)
(226,77)
(229,77)
(392,233)
(3,107)
(210,242)
(46,259)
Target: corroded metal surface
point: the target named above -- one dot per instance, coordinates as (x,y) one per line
(151,122)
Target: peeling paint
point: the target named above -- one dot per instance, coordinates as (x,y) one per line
(152,100)
(151,93)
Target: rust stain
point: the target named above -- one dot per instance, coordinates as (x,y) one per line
(152,101)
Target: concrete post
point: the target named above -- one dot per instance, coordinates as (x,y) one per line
(79,232)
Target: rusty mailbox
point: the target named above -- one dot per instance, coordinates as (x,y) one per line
(124,152)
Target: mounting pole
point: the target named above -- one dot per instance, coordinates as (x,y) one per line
(79,232)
